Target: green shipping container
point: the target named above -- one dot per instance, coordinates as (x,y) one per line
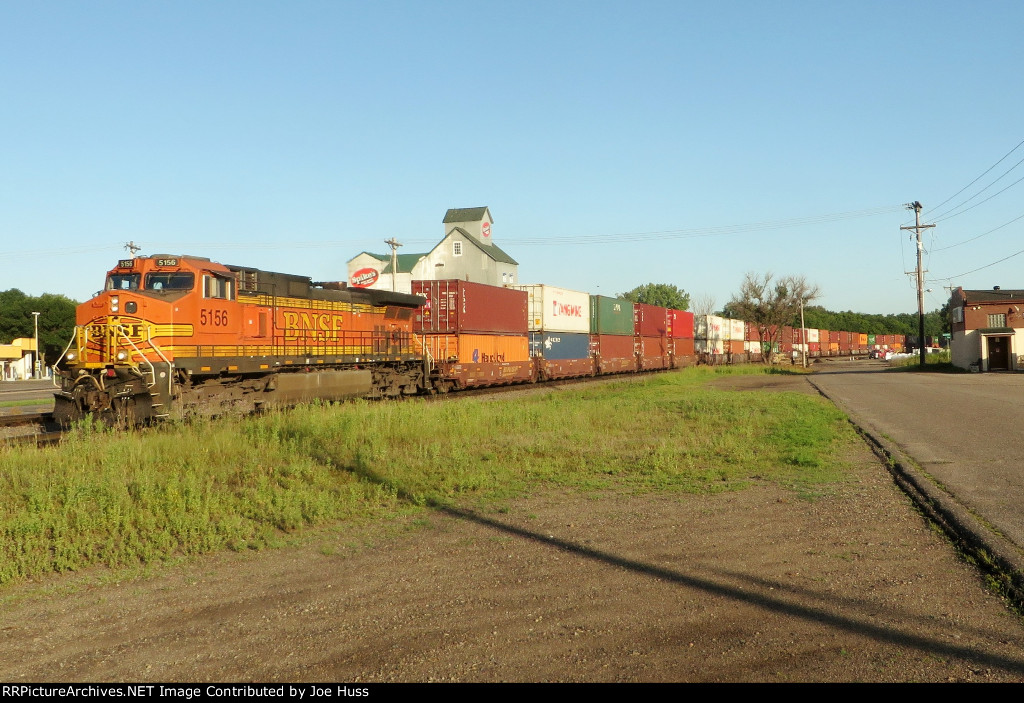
(610,315)
(871,340)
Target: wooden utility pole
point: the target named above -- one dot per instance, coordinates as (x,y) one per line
(916,207)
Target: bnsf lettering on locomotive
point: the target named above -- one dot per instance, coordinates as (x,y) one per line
(567,309)
(316,325)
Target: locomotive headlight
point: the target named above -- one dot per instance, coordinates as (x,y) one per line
(113,303)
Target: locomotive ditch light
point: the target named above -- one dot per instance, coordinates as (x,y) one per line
(70,356)
(122,355)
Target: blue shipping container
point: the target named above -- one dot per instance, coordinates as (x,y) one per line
(560,346)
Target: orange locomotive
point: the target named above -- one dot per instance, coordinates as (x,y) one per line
(170,335)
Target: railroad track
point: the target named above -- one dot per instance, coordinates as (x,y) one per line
(29,428)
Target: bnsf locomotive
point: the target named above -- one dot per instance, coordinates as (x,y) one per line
(174,334)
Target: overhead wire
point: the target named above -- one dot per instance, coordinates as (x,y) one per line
(983,174)
(984,234)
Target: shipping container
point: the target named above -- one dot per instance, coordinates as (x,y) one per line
(709,328)
(468,360)
(476,348)
(709,346)
(454,306)
(683,352)
(737,331)
(611,315)
(651,320)
(654,353)
(682,324)
(562,354)
(614,353)
(554,309)
(736,346)
(560,345)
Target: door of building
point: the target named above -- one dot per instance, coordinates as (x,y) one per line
(998,353)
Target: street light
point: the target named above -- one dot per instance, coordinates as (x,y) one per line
(35,371)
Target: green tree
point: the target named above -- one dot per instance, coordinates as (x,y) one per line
(56,320)
(770,304)
(664,294)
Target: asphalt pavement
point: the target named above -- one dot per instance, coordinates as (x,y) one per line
(955,438)
(40,390)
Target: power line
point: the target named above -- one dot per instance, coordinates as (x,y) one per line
(940,219)
(982,268)
(966,241)
(978,179)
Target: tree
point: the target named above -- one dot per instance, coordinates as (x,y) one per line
(56,320)
(704,305)
(771,304)
(665,295)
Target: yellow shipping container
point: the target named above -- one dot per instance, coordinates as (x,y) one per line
(477,348)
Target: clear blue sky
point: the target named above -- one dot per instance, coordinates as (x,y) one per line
(291,136)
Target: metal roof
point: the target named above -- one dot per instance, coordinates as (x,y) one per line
(466,214)
(491,250)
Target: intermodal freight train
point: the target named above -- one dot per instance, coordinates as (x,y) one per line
(174,335)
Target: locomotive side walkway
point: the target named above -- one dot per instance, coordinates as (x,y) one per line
(954,440)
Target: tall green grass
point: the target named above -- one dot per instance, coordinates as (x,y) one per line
(128,499)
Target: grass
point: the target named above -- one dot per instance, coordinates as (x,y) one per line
(128,500)
(19,403)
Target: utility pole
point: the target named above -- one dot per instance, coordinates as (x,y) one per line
(394,244)
(35,370)
(916,207)
(803,331)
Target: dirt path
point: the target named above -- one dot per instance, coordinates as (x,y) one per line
(750,586)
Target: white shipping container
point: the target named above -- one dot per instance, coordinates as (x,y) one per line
(704,346)
(737,330)
(812,336)
(709,327)
(554,309)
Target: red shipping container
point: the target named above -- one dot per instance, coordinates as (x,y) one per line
(455,306)
(681,323)
(833,337)
(654,352)
(614,352)
(684,347)
(651,320)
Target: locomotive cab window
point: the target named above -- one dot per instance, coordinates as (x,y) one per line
(123,281)
(177,281)
(218,287)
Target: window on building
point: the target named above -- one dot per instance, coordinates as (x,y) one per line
(456,248)
(997,320)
